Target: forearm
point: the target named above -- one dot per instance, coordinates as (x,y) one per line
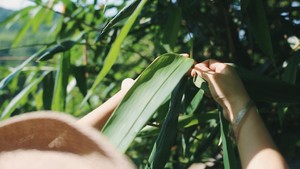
(255,145)
(98,117)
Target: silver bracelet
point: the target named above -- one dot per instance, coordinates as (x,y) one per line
(240,117)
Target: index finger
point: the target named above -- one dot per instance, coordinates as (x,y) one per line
(213,65)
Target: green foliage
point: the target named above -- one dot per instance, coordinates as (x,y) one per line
(115,48)
(154,85)
(83,54)
(258,25)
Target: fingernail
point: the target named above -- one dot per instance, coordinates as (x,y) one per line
(193,73)
(184,55)
(128,82)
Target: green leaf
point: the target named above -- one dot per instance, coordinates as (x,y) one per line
(114,50)
(244,6)
(8,78)
(161,150)
(39,17)
(22,33)
(61,82)
(290,73)
(150,90)
(79,72)
(16,17)
(15,102)
(195,102)
(124,13)
(201,83)
(229,158)
(48,88)
(60,47)
(258,25)
(289,76)
(264,88)
(172,26)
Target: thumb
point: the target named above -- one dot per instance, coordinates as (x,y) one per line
(127,83)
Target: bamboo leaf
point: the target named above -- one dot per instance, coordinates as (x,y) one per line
(124,13)
(16,16)
(8,78)
(22,33)
(258,25)
(114,50)
(172,26)
(79,72)
(161,150)
(61,82)
(60,47)
(39,17)
(229,158)
(264,88)
(15,102)
(289,76)
(290,73)
(195,102)
(48,88)
(149,91)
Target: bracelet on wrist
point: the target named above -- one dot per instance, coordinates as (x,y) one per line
(241,116)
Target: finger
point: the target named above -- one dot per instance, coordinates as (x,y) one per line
(204,74)
(201,67)
(193,72)
(207,63)
(127,83)
(217,67)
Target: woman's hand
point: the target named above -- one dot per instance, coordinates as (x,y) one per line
(225,86)
(228,90)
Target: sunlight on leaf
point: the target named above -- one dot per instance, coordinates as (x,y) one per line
(150,90)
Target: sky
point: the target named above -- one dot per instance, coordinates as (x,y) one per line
(14,4)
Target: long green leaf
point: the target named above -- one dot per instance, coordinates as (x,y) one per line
(153,86)
(172,26)
(114,50)
(59,47)
(229,158)
(48,88)
(14,103)
(8,78)
(191,108)
(289,76)
(16,16)
(258,25)
(264,88)
(39,17)
(61,82)
(22,33)
(161,150)
(79,72)
(124,13)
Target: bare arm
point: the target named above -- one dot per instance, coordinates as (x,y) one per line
(98,117)
(255,145)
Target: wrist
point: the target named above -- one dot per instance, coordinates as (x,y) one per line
(241,117)
(235,106)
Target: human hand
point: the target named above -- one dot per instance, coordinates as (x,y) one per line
(225,86)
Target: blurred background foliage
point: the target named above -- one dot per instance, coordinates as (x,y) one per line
(52,51)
